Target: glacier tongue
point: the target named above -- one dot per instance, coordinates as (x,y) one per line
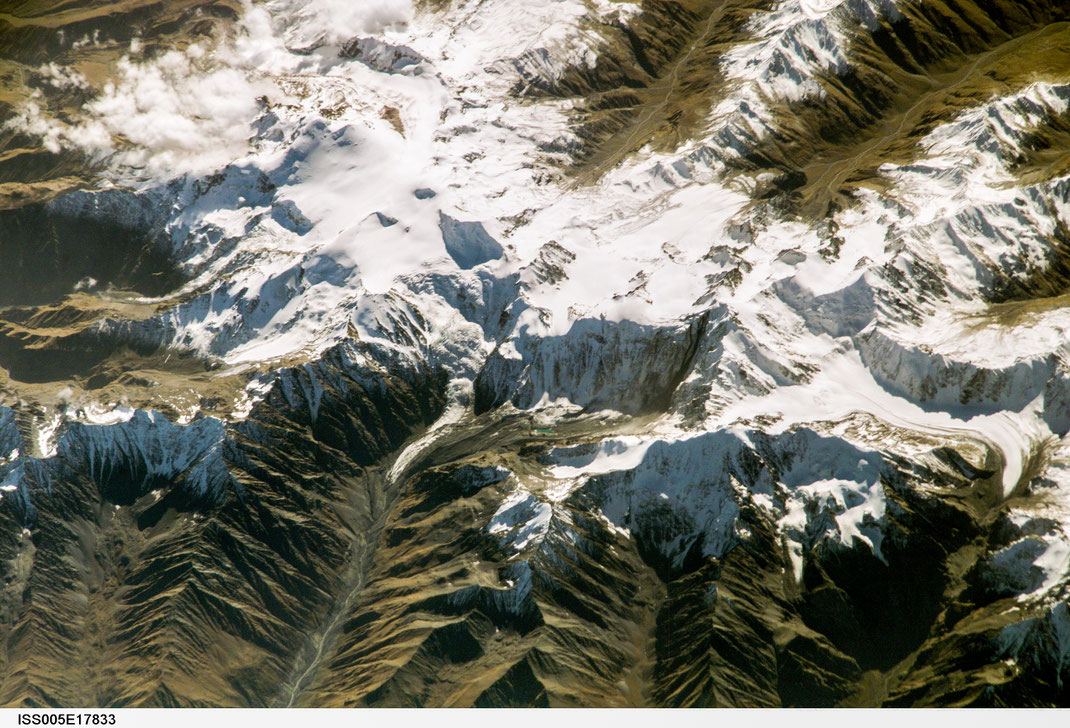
(406,203)
(285,246)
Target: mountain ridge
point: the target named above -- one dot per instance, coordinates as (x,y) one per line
(658,353)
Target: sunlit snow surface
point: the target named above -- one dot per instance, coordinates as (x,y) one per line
(410,179)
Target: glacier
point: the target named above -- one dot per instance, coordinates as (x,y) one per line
(406,250)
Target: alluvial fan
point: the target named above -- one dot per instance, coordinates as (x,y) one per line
(556,353)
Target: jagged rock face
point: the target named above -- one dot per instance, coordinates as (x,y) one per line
(158,555)
(577,353)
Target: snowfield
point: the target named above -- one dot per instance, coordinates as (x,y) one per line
(366,172)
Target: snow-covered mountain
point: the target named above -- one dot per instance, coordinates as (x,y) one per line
(566,352)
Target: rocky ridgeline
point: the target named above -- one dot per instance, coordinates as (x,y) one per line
(822,464)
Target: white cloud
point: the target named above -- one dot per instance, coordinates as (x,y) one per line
(190,111)
(62,77)
(168,116)
(172,114)
(91,136)
(335,21)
